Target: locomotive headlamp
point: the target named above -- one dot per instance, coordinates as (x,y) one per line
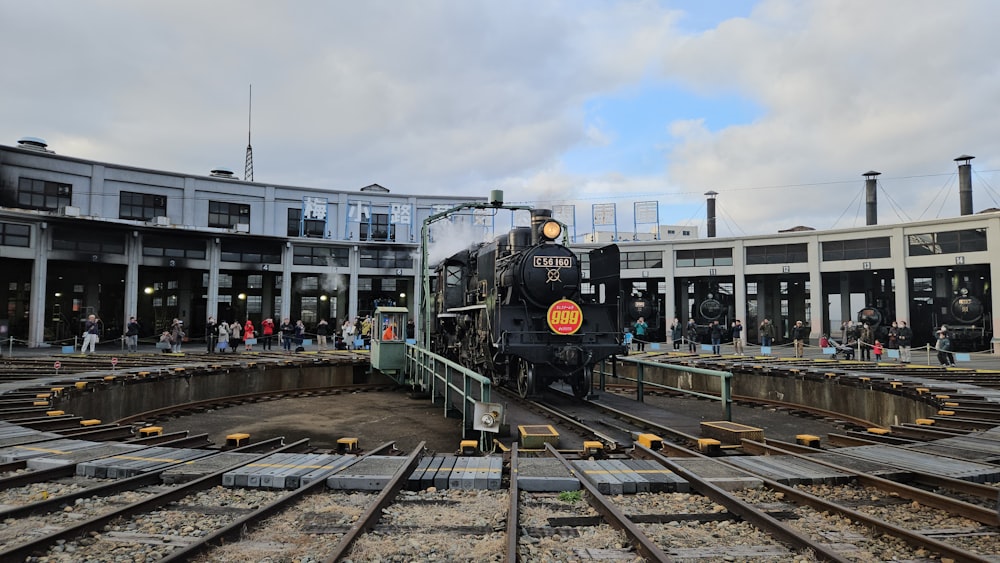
(551,230)
(489,419)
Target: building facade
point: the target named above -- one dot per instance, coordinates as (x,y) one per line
(79,237)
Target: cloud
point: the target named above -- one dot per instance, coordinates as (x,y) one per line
(845,87)
(458,98)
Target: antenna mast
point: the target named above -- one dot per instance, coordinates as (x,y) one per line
(248,172)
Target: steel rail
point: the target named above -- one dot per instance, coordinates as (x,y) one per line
(373,513)
(913,538)
(240,526)
(612,515)
(972,512)
(22,551)
(513,511)
(745,510)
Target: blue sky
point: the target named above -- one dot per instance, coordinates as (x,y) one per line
(777,105)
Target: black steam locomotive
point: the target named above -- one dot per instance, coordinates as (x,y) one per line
(641,305)
(514,309)
(968,321)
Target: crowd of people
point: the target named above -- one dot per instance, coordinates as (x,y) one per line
(228,336)
(860,337)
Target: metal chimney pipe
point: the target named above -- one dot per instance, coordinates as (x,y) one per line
(871,197)
(964,184)
(710,204)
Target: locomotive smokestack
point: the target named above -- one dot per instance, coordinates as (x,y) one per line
(965,184)
(538,216)
(871,197)
(710,205)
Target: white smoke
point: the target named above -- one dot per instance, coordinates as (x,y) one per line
(447,238)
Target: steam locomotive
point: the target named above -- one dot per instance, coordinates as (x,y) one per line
(968,320)
(514,309)
(641,305)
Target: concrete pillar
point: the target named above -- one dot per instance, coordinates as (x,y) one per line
(993,243)
(96,203)
(669,291)
(740,283)
(214,264)
(188,218)
(133,250)
(902,290)
(817,301)
(286,282)
(39,289)
(352,288)
(845,297)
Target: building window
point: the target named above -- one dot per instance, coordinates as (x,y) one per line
(320,256)
(642,260)
(948,242)
(141,207)
(173,247)
(89,242)
(251,252)
(777,254)
(856,249)
(686,233)
(385,258)
(227,215)
(705,257)
(39,194)
(15,235)
(378,228)
(314,228)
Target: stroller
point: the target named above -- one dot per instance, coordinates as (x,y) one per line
(846,351)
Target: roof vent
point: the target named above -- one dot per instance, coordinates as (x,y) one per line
(34,144)
(223,173)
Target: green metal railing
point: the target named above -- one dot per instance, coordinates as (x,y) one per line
(458,386)
(726,396)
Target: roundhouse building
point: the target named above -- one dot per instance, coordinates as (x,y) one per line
(927,273)
(79,237)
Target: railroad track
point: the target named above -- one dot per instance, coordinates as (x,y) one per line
(863,497)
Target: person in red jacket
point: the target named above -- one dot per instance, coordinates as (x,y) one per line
(248,333)
(267,330)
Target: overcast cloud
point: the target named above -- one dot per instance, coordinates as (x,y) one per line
(460,97)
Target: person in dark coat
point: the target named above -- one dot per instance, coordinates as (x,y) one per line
(211,334)
(715,333)
(905,339)
(866,339)
(943,346)
(132,335)
(737,333)
(322,331)
(677,333)
(799,335)
(766,332)
(692,336)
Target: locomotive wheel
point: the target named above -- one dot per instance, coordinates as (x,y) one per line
(525,379)
(582,384)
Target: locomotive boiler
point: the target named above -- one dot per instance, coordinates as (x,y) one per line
(518,309)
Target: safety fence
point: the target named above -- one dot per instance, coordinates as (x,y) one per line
(458,387)
(609,368)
